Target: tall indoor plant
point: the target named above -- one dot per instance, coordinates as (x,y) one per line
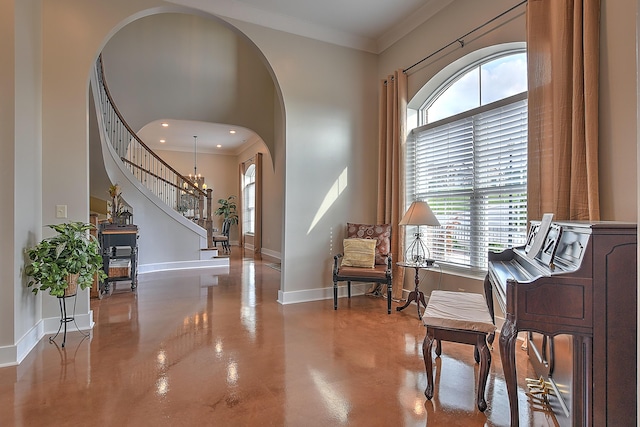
(71,257)
(228,209)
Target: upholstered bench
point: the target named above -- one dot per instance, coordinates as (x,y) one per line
(463,318)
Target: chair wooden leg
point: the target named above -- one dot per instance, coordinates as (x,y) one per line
(349,289)
(427,345)
(389,289)
(335,295)
(483,373)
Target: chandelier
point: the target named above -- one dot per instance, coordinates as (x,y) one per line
(197,179)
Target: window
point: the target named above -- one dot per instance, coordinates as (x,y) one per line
(249,205)
(469,161)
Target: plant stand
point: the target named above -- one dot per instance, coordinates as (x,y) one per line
(66,318)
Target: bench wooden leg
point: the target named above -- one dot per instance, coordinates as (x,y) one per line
(427,345)
(481,353)
(483,373)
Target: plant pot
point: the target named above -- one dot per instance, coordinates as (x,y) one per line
(72,285)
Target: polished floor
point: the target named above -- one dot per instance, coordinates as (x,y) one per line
(211,348)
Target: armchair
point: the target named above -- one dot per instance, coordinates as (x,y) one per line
(376,270)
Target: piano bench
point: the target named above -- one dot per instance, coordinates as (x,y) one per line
(462,318)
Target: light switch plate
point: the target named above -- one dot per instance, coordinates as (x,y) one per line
(61,211)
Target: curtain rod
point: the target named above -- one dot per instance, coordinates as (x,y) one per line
(461,39)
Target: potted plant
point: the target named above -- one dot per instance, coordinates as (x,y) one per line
(228,209)
(69,259)
(115,193)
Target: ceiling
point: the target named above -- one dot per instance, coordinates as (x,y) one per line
(368,25)
(213,138)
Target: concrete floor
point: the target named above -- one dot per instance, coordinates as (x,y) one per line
(214,348)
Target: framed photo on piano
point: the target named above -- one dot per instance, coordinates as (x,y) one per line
(537,235)
(550,245)
(533,232)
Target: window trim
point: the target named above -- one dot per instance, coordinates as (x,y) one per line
(249,180)
(439,84)
(434,96)
(475,57)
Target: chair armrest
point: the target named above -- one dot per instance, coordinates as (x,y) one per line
(336,263)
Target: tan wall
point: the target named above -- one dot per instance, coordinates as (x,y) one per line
(7,191)
(618,111)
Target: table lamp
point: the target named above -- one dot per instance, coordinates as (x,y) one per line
(419,213)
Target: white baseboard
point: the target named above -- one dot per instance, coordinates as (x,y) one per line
(14,354)
(318,294)
(272,254)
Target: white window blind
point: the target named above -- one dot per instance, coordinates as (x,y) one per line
(472,170)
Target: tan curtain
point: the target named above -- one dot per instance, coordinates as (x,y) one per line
(563,55)
(392,133)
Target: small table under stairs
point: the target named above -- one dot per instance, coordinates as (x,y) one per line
(113,238)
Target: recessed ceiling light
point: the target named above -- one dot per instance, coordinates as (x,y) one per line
(162,141)
(219,145)
(164,125)
(232,131)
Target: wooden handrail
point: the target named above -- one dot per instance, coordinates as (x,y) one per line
(156,176)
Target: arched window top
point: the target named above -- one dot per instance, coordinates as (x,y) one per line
(492,79)
(251,173)
(496,60)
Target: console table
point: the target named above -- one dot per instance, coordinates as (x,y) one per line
(112,236)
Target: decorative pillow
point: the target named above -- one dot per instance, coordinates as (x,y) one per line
(359,253)
(381,233)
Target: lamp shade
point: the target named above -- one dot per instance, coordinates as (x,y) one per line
(419,213)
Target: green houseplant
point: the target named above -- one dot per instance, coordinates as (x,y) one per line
(228,209)
(56,262)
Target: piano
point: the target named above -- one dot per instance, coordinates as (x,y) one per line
(576,301)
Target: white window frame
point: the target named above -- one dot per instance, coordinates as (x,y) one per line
(474,235)
(248,205)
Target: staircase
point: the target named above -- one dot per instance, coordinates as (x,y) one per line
(155,190)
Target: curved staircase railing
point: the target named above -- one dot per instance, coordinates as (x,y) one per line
(173,188)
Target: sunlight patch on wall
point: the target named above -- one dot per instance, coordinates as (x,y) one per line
(336,189)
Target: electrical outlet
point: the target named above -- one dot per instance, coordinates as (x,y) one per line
(61,211)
